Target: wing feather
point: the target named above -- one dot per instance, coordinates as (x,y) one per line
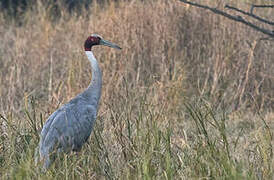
(67,128)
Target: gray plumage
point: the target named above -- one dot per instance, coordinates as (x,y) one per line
(68,128)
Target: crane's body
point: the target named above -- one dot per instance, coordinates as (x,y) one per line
(68,128)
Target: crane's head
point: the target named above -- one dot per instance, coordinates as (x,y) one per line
(95,39)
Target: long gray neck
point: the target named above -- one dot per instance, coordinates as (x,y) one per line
(93,92)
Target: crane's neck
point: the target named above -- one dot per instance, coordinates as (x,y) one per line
(93,92)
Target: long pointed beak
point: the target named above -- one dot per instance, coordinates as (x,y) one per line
(109,44)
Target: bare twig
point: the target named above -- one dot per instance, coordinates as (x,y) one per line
(259,6)
(235,18)
(250,14)
(263,6)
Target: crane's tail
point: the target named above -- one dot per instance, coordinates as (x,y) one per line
(42,157)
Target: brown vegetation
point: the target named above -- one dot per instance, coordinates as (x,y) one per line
(178,64)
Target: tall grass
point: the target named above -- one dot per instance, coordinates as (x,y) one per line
(189,96)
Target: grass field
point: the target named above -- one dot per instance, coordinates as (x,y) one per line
(190,96)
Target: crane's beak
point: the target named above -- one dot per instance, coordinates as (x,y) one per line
(109,44)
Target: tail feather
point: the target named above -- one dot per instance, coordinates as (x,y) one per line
(42,157)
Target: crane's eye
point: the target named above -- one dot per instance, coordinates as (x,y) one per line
(94,39)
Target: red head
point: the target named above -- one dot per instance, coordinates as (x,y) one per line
(95,39)
(92,41)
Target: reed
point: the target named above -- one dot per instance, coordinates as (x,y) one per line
(189,96)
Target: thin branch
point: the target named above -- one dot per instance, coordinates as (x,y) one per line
(262,6)
(235,18)
(259,6)
(250,14)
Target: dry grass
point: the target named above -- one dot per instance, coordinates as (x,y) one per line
(189,96)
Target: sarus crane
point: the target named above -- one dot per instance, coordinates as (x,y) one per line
(69,127)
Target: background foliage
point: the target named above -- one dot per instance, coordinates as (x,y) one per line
(189,96)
